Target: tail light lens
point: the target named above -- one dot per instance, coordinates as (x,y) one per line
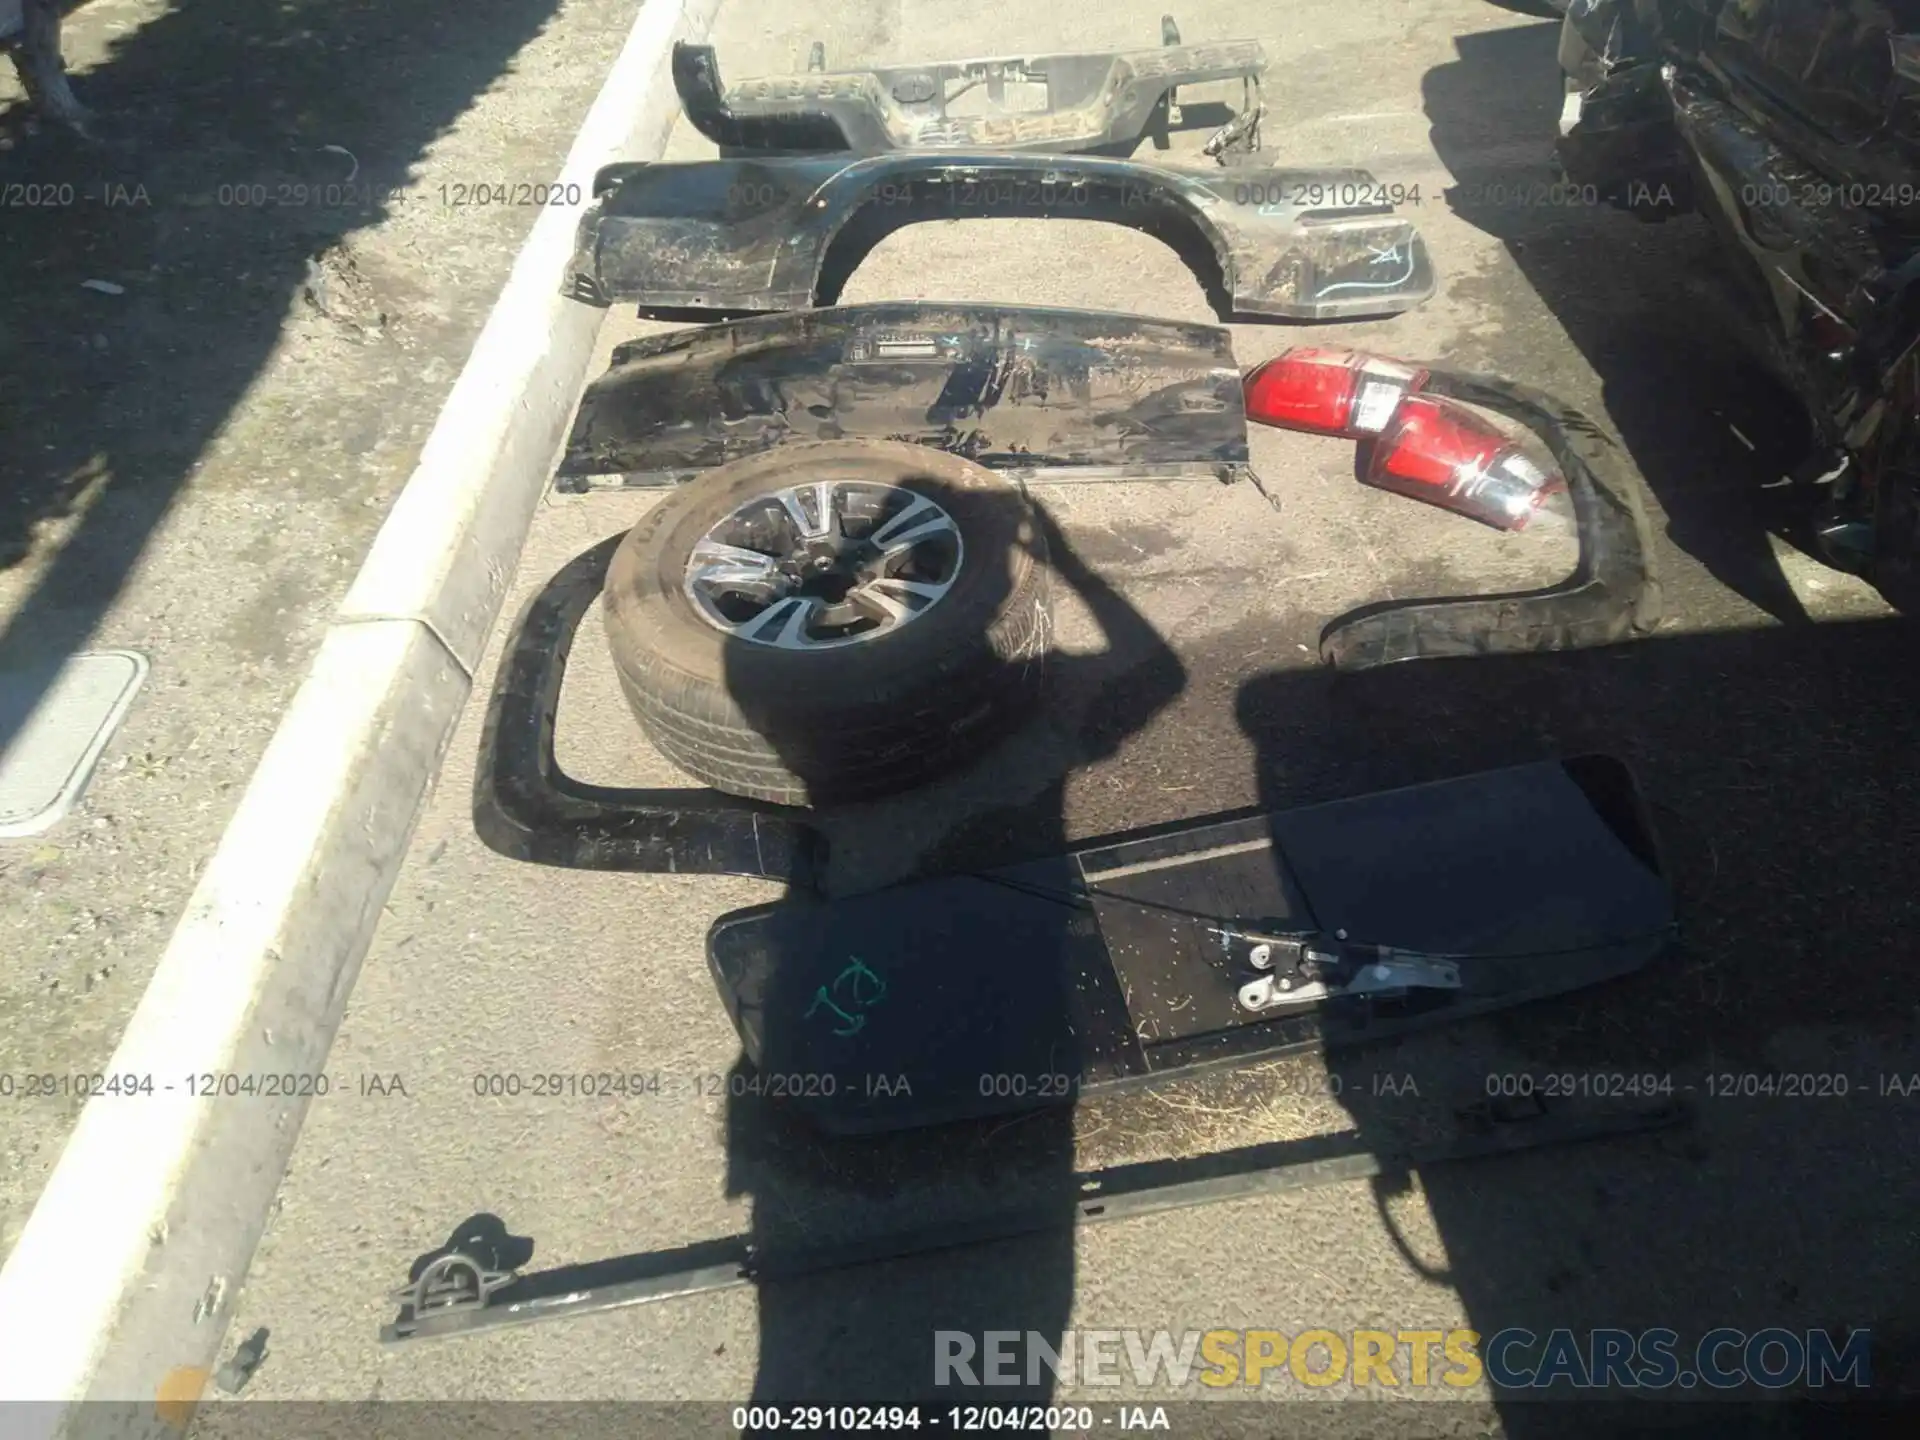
(1444,454)
(1329,392)
(1425,447)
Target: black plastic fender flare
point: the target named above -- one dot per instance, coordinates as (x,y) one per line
(760,234)
(1612,595)
(527,808)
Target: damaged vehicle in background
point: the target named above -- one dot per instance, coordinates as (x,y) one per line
(1793,126)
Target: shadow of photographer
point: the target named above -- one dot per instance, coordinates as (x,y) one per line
(926,1040)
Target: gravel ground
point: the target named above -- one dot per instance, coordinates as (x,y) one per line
(1773,725)
(195,466)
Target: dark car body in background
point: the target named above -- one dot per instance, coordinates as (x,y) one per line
(1793,126)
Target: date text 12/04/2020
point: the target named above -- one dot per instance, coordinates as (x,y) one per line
(1713,1085)
(204,1085)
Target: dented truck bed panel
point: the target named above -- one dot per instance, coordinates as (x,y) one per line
(1069,392)
(1056,103)
(755,235)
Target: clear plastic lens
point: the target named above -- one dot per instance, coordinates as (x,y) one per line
(1375,404)
(1443,453)
(1329,392)
(1524,470)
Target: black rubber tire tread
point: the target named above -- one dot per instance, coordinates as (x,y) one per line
(847,724)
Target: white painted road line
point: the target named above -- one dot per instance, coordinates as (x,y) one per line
(122,1284)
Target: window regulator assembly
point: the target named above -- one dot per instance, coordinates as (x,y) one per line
(1311,969)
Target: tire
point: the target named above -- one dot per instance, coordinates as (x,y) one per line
(853,721)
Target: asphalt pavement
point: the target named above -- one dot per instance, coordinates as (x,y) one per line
(1772,723)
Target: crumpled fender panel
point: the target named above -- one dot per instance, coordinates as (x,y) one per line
(1026,389)
(754,235)
(1092,100)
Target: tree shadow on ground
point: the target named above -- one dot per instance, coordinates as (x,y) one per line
(239,148)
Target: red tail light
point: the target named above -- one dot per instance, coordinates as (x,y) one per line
(1329,392)
(1446,455)
(1828,333)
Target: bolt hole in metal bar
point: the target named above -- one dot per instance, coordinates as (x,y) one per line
(1115,1194)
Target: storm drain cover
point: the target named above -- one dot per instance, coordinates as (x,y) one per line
(53,725)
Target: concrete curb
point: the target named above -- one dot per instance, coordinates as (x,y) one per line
(123,1282)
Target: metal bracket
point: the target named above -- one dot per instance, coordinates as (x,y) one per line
(453,1281)
(1483,1131)
(1312,969)
(1170,37)
(1242,133)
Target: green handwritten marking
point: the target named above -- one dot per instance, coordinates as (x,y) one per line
(859,987)
(858,977)
(853,1023)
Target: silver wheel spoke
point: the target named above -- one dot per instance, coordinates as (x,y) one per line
(897,599)
(821,523)
(715,564)
(816,579)
(919,521)
(783,623)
